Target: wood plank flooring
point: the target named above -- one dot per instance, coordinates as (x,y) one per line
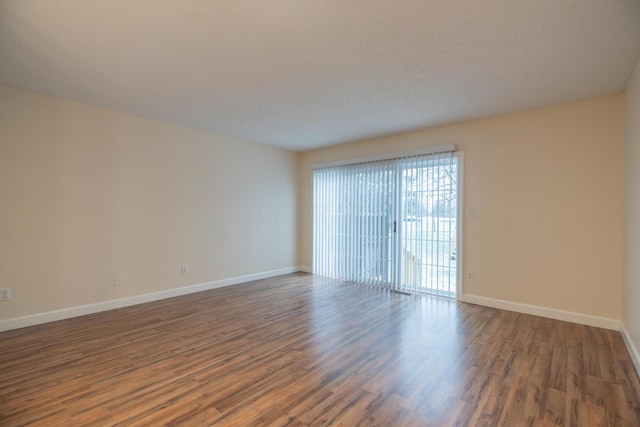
(300,350)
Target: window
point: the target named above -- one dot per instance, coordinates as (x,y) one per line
(389,222)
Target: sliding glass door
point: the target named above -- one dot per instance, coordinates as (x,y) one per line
(354,209)
(390,223)
(427,237)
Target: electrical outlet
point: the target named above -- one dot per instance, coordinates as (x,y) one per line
(184,269)
(5,294)
(470,276)
(118,281)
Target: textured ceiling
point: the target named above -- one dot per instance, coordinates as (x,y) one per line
(302,74)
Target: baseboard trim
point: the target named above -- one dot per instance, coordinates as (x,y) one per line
(551,313)
(305,269)
(66,313)
(631,348)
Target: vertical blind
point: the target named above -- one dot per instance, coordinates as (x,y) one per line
(389,222)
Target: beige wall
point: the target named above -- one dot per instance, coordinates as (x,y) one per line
(88,193)
(546,186)
(631,289)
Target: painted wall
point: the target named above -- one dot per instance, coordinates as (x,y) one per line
(546,186)
(631,289)
(88,193)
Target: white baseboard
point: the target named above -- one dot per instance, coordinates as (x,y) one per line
(66,313)
(631,348)
(551,313)
(304,269)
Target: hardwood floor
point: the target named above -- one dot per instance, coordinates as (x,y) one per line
(301,350)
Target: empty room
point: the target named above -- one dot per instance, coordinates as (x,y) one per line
(320,213)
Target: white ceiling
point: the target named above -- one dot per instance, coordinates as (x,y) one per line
(302,74)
